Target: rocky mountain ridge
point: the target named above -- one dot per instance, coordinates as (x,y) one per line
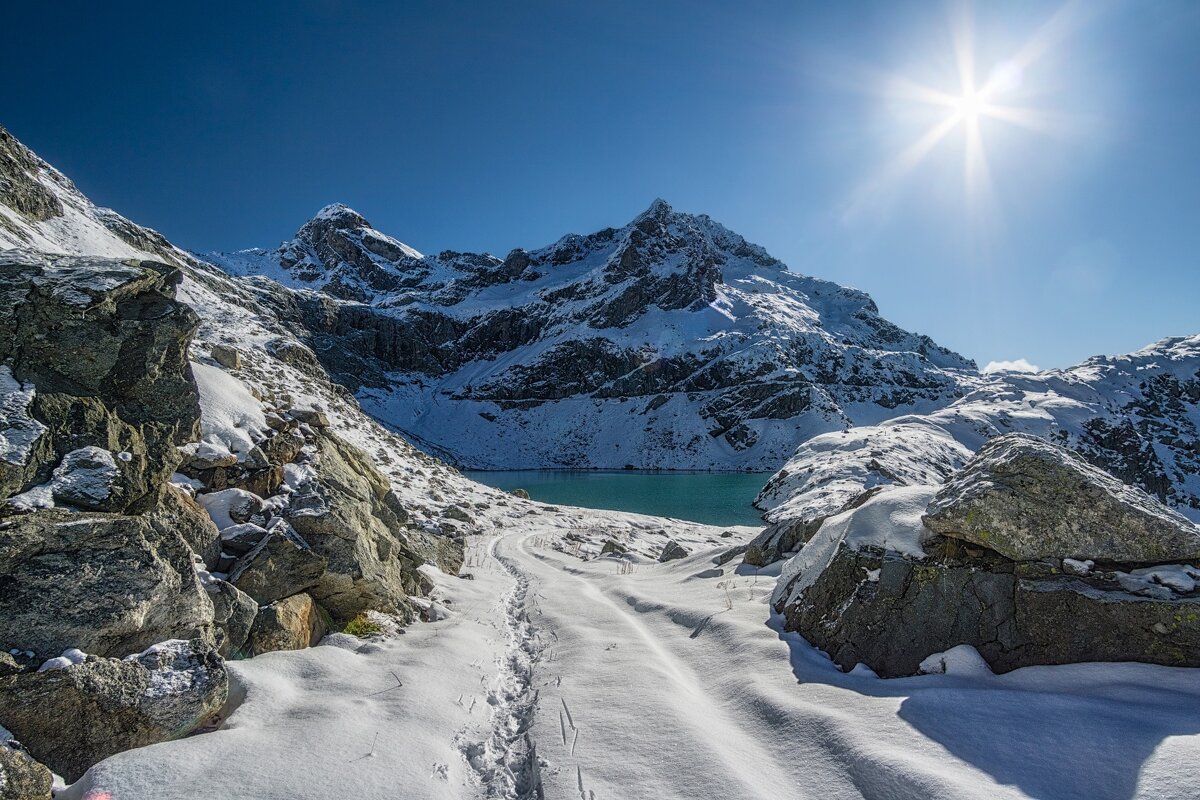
(701,349)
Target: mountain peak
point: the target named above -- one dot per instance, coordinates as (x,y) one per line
(339,216)
(657,210)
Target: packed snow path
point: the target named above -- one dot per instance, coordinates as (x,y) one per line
(620,679)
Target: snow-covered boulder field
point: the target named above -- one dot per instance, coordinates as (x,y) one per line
(1029,554)
(147,497)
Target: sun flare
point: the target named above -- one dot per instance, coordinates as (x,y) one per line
(971,107)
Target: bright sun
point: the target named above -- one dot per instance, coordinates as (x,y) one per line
(969,106)
(974,106)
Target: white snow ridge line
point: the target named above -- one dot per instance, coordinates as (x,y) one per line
(507,763)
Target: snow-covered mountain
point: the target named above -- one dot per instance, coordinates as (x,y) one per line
(1135,415)
(670,342)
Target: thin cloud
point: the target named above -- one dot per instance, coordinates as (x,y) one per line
(1017,365)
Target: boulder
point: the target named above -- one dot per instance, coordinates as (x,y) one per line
(73,717)
(242,538)
(21,777)
(233,615)
(277,567)
(110,584)
(102,346)
(293,623)
(879,584)
(348,514)
(672,551)
(284,447)
(226,356)
(613,546)
(311,417)
(890,611)
(1027,499)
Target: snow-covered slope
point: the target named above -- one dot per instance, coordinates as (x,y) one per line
(671,342)
(1135,415)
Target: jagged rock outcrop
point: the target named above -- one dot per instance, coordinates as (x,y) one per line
(95,350)
(1030,555)
(346,512)
(72,717)
(701,347)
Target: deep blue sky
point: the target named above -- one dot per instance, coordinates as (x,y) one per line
(484,126)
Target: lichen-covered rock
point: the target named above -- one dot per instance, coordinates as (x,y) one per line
(73,717)
(877,585)
(109,584)
(293,623)
(278,566)
(347,513)
(890,611)
(102,345)
(1027,499)
(21,777)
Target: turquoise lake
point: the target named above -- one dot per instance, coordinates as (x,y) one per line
(715,498)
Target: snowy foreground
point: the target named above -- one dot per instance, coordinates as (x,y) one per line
(618,677)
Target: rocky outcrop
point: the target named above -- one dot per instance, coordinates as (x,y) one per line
(1029,554)
(109,584)
(1027,500)
(346,512)
(72,717)
(96,350)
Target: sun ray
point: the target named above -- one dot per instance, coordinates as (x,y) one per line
(974,105)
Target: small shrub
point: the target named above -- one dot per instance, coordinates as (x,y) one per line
(361,627)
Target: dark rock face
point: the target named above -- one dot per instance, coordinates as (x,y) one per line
(105,345)
(112,705)
(1031,555)
(1027,499)
(277,567)
(1016,614)
(19,189)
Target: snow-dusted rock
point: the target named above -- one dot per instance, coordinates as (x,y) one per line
(875,585)
(1027,499)
(72,718)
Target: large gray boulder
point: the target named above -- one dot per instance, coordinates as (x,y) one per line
(95,349)
(348,514)
(1028,554)
(72,717)
(1027,499)
(21,777)
(109,584)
